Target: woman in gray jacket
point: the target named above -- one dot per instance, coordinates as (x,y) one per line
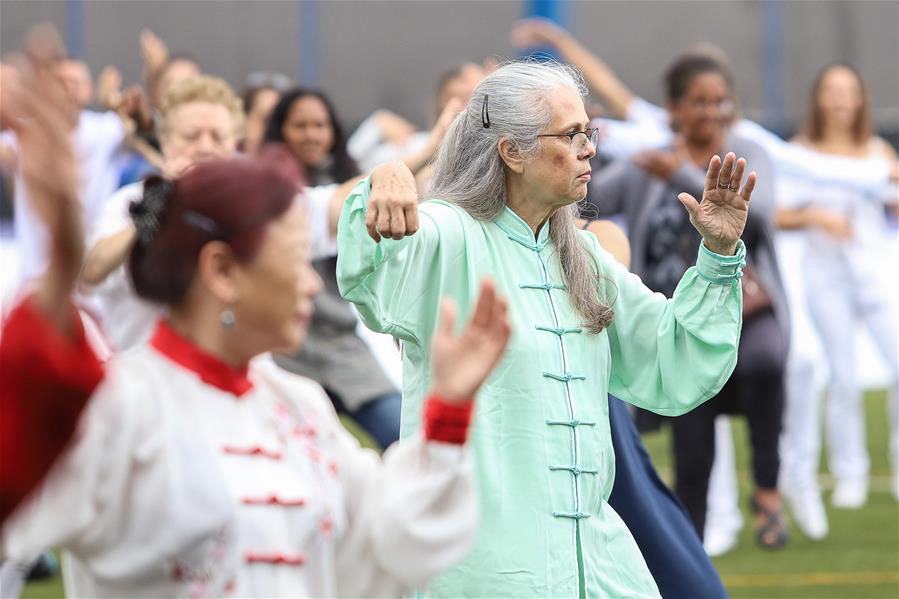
(645,190)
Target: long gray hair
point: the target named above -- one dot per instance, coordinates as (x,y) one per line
(470,173)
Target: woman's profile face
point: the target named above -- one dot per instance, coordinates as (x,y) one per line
(705,110)
(839,96)
(276,287)
(559,173)
(308,131)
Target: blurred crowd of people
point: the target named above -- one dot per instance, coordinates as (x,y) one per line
(820,242)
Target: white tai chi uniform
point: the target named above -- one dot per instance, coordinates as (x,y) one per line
(194,479)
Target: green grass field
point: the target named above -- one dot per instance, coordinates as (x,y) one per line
(860,558)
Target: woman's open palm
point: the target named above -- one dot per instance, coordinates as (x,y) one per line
(721,215)
(460,364)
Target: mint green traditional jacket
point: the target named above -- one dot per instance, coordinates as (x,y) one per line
(541,439)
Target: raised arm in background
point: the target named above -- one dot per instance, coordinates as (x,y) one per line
(47,367)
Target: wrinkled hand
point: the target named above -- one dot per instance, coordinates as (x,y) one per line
(154,51)
(533,33)
(460,365)
(658,163)
(393,202)
(721,216)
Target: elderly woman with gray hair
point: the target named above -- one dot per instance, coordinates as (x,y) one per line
(507,179)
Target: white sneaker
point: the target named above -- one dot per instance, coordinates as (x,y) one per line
(808,512)
(849,495)
(719,541)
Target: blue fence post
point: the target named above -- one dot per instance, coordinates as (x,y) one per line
(553,10)
(309,68)
(75,28)
(774,67)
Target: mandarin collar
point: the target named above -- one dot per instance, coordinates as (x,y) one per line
(518,230)
(210,369)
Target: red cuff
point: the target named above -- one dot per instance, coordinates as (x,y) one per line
(445,422)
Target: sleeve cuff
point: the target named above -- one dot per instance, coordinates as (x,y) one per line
(718,269)
(446,423)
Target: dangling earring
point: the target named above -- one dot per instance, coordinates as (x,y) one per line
(227,318)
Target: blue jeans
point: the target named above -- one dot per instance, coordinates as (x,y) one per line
(379,417)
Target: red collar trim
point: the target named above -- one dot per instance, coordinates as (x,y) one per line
(210,369)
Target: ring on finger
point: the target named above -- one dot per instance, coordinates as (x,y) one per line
(733,188)
(724,185)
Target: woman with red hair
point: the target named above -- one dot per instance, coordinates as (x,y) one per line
(205,470)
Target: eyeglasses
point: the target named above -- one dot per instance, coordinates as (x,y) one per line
(578,139)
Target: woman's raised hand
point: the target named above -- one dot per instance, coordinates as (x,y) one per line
(461,364)
(721,216)
(35,106)
(393,202)
(537,32)
(154,51)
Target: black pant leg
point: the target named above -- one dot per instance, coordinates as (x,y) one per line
(693,436)
(760,372)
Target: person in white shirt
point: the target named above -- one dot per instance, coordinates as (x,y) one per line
(203,470)
(848,270)
(97,137)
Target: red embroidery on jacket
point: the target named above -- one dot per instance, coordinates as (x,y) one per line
(273,500)
(286,559)
(253,450)
(326,526)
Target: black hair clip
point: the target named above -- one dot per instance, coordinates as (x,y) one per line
(485,116)
(147,212)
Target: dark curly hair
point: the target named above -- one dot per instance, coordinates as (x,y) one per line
(344,166)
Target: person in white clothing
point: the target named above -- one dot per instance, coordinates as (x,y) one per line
(97,137)
(847,273)
(203,470)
